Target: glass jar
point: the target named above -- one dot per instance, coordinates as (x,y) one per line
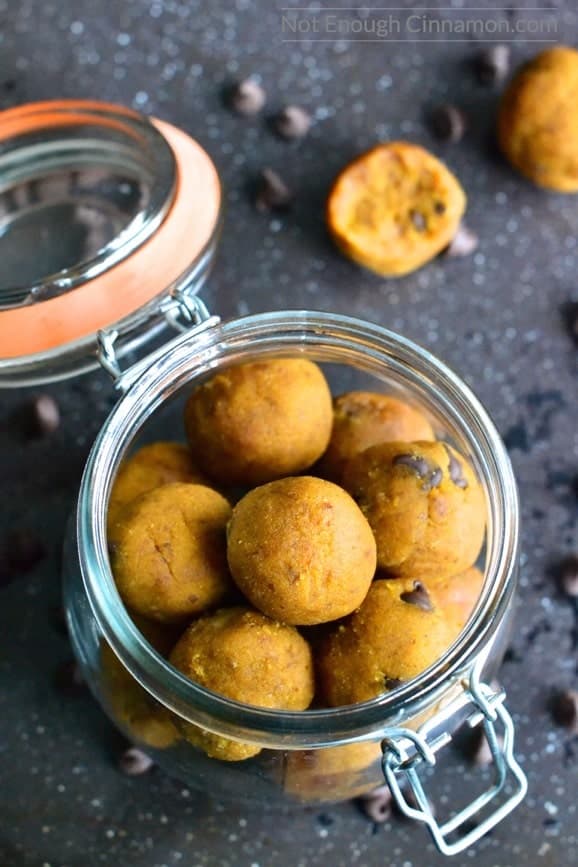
(316,755)
(124,216)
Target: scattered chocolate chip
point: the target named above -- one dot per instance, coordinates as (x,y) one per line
(325,820)
(564,709)
(392,682)
(418,596)
(464,243)
(448,122)
(431,475)
(455,470)
(69,679)
(292,122)
(247,97)
(272,193)
(133,762)
(377,805)
(418,220)
(570,315)
(9,85)
(493,64)
(568,576)
(43,415)
(22,550)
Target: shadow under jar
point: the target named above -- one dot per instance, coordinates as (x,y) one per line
(312,756)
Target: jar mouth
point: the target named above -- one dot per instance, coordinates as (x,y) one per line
(88,182)
(332,338)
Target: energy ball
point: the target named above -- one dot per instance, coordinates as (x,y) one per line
(424,504)
(150,467)
(301,551)
(169,553)
(248,658)
(260,421)
(395,635)
(457,596)
(143,718)
(538,122)
(362,419)
(394,208)
(333,774)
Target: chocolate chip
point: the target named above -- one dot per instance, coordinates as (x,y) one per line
(392,682)
(377,805)
(23,549)
(448,122)
(464,243)
(568,576)
(564,709)
(69,679)
(455,470)
(133,762)
(570,314)
(247,97)
(418,220)
(439,208)
(292,122)
(431,475)
(43,415)
(272,192)
(418,597)
(493,64)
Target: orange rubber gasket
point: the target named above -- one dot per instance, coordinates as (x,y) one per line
(136,280)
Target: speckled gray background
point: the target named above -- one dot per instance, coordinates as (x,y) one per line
(495,317)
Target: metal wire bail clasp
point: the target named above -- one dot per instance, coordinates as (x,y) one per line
(182,310)
(405,750)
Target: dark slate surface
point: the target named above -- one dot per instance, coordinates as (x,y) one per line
(495,317)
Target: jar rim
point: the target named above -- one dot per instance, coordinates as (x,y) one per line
(277,331)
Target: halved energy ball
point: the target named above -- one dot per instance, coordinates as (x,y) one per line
(301,551)
(249,658)
(169,552)
(394,208)
(260,421)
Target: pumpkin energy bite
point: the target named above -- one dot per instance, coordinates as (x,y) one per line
(424,504)
(144,718)
(301,551)
(538,123)
(362,419)
(169,553)
(394,636)
(394,208)
(260,421)
(248,658)
(150,467)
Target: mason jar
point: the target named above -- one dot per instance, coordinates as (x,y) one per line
(306,757)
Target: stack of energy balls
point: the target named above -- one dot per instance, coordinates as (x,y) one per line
(345,567)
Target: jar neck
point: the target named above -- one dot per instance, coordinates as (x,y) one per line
(331,339)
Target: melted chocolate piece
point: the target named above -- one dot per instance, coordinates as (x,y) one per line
(392,682)
(431,474)
(418,596)
(455,470)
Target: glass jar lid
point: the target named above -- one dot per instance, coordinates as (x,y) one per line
(103,213)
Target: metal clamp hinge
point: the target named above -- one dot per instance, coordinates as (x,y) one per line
(184,312)
(405,750)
